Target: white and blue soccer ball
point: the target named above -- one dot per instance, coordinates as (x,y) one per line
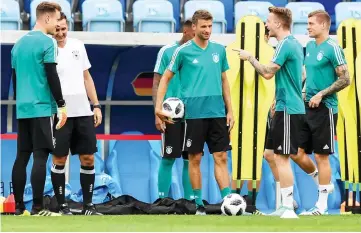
(173,107)
(233,205)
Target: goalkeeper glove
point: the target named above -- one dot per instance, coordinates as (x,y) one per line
(62,115)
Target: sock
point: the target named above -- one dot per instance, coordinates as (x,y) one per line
(187,186)
(18,177)
(234,191)
(322,197)
(38,175)
(314,176)
(250,194)
(165,177)
(87,177)
(58,180)
(278,195)
(198,197)
(287,197)
(226,191)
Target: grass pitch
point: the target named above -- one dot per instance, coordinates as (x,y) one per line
(169,223)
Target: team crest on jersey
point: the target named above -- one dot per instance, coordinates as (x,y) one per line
(168,150)
(75,54)
(215,57)
(319,56)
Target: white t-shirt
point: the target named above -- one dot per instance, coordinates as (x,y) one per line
(72,61)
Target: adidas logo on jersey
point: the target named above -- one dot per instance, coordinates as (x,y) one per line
(326,147)
(195,61)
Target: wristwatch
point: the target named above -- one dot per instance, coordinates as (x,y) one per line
(97,106)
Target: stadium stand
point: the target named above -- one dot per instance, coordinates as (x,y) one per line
(10,15)
(259,9)
(346,10)
(65,6)
(300,11)
(215,7)
(103,16)
(153,16)
(176,13)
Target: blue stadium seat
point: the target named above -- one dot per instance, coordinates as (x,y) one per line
(300,11)
(216,8)
(280,3)
(10,15)
(153,16)
(80,5)
(8,155)
(130,164)
(65,7)
(176,13)
(103,16)
(345,10)
(259,9)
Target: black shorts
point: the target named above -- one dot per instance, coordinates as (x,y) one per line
(268,141)
(35,133)
(213,131)
(318,131)
(173,140)
(78,135)
(284,134)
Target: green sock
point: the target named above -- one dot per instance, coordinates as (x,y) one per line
(226,191)
(187,186)
(198,197)
(234,191)
(165,177)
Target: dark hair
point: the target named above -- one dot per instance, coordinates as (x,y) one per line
(47,7)
(266,31)
(187,23)
(63,16)
(283,14)
(201,14)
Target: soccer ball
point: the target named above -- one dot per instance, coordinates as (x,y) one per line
(233,204)
(173,107)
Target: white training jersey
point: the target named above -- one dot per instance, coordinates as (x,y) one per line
(72,62)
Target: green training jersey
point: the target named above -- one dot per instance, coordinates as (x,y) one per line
(163,59)
(289,56)
(200,74)
(28,56)
(320,62)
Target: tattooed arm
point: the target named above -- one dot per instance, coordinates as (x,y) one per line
(266,71)
(342,81)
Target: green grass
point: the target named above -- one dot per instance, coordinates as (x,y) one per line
(180,223)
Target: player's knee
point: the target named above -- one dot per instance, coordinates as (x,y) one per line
(59,160)
(220,158)
(87,160)
(195,160)
(269,156)
(321,158)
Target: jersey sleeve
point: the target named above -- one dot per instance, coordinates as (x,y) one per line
(161,64)
(281,53)
(225,65)
(337,56)
(86,63)
(50,51)
(177,59)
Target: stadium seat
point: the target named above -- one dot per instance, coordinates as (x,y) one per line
(8,155)
(153,16)
(103,16)
(259,9)
(300,11)
(10,15)
(80,5)
(176,13)
(216,8)
(345,10)
(65,6)
(129,163)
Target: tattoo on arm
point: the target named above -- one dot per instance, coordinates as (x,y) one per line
(342,81)
(156,81)
(262,69)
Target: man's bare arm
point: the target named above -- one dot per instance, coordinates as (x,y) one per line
(226,93)
(266,71)
(156,81)
(90,87)
(162,88)
(342,81)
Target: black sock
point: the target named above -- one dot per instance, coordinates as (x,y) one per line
(87,177)
(19,177)
(38,175)
(58,180)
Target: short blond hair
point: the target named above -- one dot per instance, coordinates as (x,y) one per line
(321,15)
(47,7)
(201,14)
(283,14)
